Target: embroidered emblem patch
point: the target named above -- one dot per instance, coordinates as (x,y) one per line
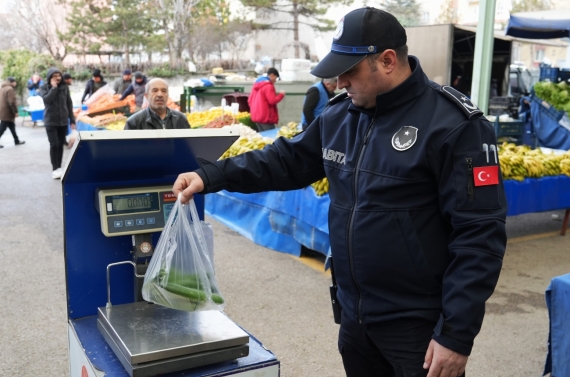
(339,29)
(405,138)
(468,107)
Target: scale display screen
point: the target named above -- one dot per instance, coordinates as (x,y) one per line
(123,204)
(128,211)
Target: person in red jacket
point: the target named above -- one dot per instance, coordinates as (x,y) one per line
(263,101)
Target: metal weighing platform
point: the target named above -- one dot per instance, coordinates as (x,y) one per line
(116,198)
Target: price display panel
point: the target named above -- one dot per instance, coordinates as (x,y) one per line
(138,210)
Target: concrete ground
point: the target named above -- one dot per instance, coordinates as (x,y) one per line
(282,300)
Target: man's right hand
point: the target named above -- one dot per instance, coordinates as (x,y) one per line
(54,82)
(188,184)
(282,92)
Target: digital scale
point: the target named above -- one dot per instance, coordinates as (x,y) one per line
(117,198)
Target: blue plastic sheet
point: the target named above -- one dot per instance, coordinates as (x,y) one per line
(538,195)
(540,25)
(279,220)
(546,123)
(284,221)
(558,304)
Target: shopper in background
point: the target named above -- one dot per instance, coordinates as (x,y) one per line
(157,116)
(9,109)
(316,100)
(138,88)
(67,79)
(121,84)
(93,85)
(58,113)
(34,84)
(263,101)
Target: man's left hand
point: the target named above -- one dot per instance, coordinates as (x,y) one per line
(443,362)
(73,127)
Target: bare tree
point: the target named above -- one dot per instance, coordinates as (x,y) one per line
(176,17)
(38,24)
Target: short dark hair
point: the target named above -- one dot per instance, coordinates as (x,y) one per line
(273,71)
(66,76)
(11,79)
(401,55)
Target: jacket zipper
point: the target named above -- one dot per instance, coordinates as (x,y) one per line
(470,178)
(351,222)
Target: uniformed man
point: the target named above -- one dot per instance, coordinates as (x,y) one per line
(417,213)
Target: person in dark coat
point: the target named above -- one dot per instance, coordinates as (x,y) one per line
(138,88)
(122,83)
(9,109)
(93,85)
(157,116)
(58,113)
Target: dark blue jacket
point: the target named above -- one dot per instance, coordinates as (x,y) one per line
(411,236)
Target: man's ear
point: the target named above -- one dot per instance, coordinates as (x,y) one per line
(388,60)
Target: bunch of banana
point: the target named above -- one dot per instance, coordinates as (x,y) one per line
(552,164)
(116,126)
(565,165)
(512,165)
(321,187)
(288,131)
(246,144)
(533,166)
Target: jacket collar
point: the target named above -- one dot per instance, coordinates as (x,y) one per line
(152,116)
(410,89)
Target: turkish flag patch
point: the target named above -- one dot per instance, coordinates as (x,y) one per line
(486,175)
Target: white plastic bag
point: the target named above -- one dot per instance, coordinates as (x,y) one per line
(181,273)
(104,90)
(71,138)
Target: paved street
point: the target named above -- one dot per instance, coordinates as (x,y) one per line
(283,301)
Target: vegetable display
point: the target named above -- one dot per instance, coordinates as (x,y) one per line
(556,95)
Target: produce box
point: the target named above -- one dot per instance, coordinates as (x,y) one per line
(515,129)
(122,109)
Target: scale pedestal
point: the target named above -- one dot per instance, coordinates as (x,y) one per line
(131,338)
(149,338)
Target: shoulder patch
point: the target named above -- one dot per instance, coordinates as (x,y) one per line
(462,101)
(338,98)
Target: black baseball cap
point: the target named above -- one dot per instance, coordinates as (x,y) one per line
(67,76)
(273,71)
(362,32)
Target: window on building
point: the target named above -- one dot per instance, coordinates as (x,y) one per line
(425,17)
(538,55)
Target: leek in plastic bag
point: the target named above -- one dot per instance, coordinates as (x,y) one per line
(181,273)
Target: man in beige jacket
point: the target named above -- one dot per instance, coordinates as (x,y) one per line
(9,109)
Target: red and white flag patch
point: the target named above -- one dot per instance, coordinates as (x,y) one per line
(486,175)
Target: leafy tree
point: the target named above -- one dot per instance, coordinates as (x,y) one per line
(129,25)
(22,63)
(529,5)
(306,12)
(87,23)
(406,11)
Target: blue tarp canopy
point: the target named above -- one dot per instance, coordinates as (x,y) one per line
(548,24)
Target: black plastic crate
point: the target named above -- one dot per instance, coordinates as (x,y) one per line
(514,129)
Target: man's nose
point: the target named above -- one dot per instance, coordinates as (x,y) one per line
(342,82)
